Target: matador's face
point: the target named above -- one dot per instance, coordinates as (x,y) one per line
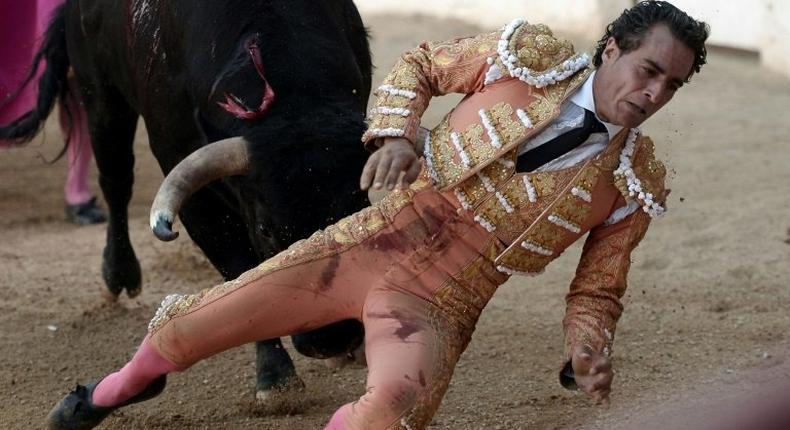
(630,87)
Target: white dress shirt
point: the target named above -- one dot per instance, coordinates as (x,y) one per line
(572,116)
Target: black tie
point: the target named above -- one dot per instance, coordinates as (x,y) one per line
(560,145)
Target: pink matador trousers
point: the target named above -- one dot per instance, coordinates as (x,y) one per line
(413,268)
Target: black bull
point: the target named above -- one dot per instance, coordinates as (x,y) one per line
(289,78)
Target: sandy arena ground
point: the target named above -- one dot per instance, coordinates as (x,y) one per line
(707,302)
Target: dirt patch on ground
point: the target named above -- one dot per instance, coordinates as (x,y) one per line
(707,300)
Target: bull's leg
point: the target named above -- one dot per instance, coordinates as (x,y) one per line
(274,368)
(112,125)
(275,371)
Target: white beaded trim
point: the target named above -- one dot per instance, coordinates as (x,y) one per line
(626,170)
(427,152)
(537,249)
(509,164)
(532,194)
(582,194)
(391,89)
(509,271)
(161,312)
(522,115)
(488,184)
(461,196)
(387,132)
(567,225)
(460,149)
(386,110)
(485,223)
(496,141)
(539,80)
(504,202)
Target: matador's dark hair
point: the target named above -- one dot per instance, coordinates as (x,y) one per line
(632,26)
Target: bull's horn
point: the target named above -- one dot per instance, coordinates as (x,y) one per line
(216,160)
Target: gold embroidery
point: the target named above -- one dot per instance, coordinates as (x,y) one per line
(444,155)
(541,110)
(499,172)
(572,209)
(588,178)
(579,78)
(389,121)
(453,51)
(472,141)
(453,314)
(538,49)
(540,29)
(546,234)
(507,225)
(392,101)
(502,118)
(521,260)
(529,58)
(402,76)
(474,190)
(593,303)
(547,44)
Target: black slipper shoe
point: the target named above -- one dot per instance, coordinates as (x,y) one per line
(85,213)
(77,412)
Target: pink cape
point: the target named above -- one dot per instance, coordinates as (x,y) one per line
(22,26)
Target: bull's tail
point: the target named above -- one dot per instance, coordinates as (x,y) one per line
(51,84)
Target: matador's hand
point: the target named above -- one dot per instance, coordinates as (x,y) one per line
(593,373)
(385,166)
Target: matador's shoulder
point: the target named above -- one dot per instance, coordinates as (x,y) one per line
(530,52)
(641,176)
(533,54)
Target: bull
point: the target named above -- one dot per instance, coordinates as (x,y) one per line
(270,95)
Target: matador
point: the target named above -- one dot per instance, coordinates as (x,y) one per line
(543,150)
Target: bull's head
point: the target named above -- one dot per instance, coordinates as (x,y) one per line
(297,176)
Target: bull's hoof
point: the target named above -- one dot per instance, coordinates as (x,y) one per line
(77,412)
(134,292)
(121,271)
(294,386)
(108,295)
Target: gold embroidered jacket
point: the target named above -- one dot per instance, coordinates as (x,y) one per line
(516,81)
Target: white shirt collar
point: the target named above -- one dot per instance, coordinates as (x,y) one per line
(583,97)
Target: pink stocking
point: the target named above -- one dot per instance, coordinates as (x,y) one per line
(79,152)
(145,367)
(337,422)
